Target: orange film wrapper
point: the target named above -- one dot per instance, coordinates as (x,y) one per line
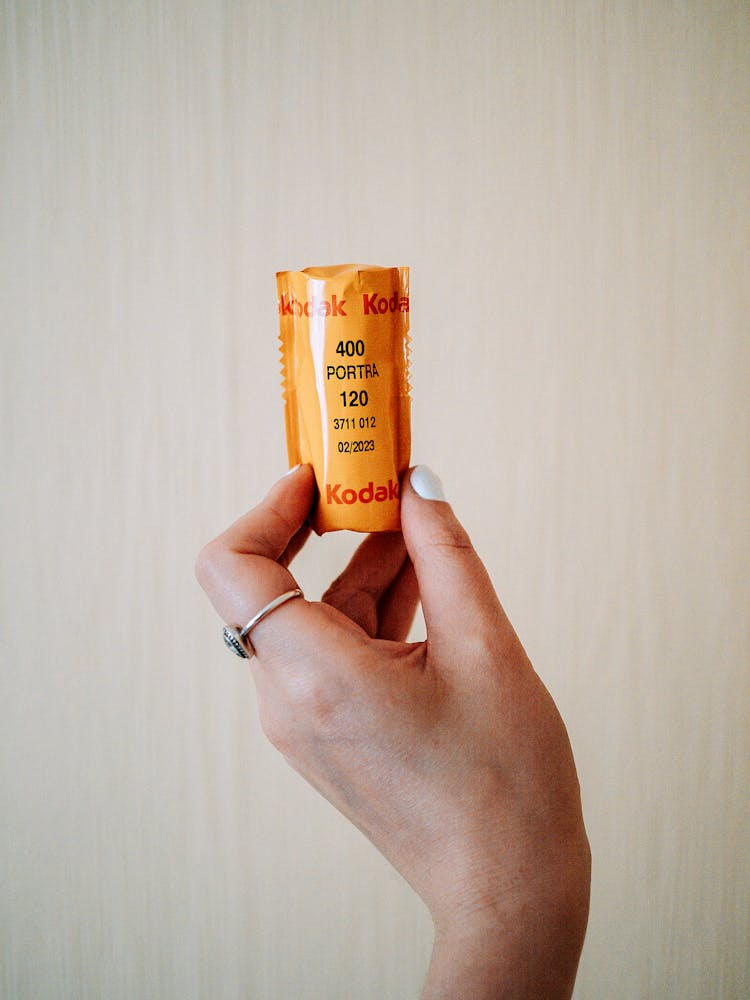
(345,372)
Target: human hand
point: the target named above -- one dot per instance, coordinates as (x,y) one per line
(449,754)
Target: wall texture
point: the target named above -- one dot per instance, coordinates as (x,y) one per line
(570,183)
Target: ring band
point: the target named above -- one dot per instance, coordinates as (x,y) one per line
(235,638)
(271,606)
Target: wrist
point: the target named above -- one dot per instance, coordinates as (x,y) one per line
(521,937)
(532,955)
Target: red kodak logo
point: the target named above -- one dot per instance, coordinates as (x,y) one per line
(368,494)
(292,306)
(373,304)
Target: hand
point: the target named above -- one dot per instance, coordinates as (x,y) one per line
(449,754)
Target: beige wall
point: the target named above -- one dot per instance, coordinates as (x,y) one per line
(570,184)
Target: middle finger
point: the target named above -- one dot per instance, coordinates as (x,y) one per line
(370,572)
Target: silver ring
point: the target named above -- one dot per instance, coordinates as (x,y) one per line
(235,637)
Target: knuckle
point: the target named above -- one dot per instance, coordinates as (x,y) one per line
(276,730)
(309,714)
(482,644)
(277,524)
(334,591)
(490,641)
(451,536)
(319,703)
(205,563)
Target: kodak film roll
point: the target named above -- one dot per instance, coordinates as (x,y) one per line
(344,334)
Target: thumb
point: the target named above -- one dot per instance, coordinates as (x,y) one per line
(457,595)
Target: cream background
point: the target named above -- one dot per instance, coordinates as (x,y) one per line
(570,183)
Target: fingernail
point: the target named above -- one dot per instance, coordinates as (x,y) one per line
(293,469)
(426,484)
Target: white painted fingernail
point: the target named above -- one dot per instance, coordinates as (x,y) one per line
(426,484)
(290,471)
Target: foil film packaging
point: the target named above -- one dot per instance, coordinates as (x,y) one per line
(344,333)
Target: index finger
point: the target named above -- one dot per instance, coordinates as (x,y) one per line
(239,570)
